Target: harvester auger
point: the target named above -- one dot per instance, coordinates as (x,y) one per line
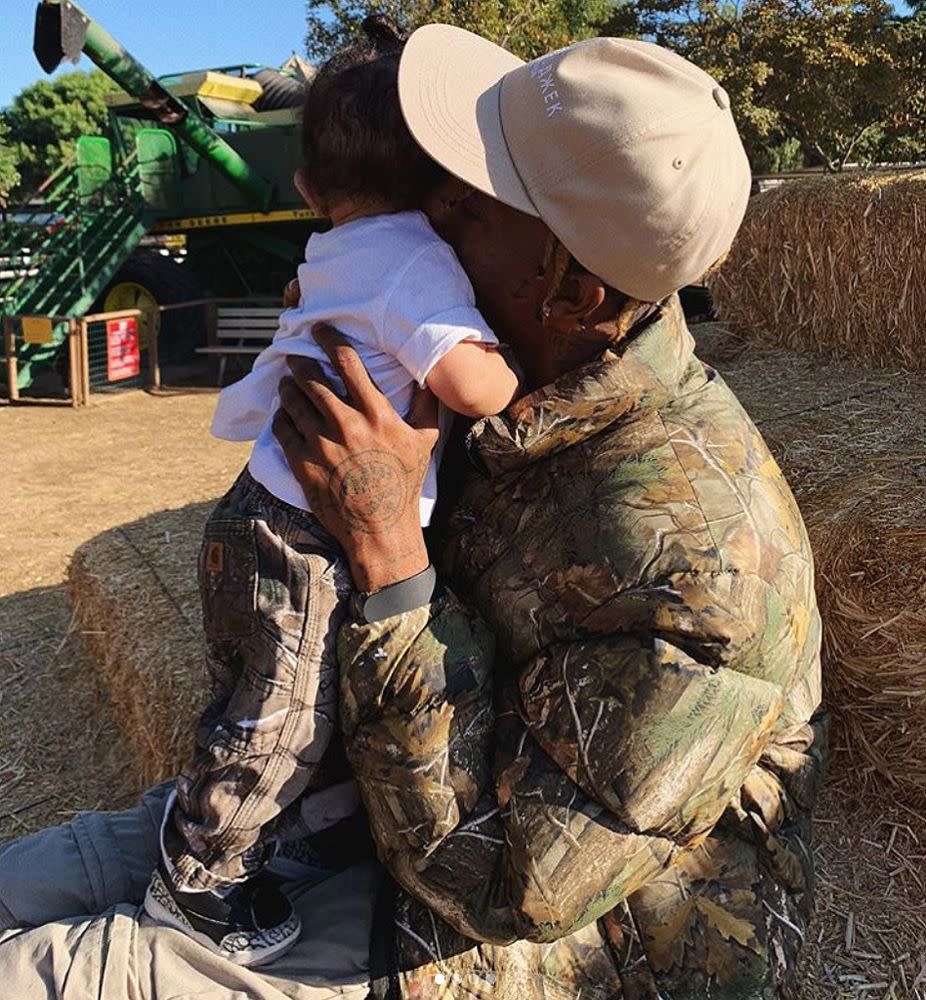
(189,195)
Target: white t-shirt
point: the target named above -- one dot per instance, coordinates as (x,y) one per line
(396,290)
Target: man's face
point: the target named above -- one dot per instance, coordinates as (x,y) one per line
(501,249)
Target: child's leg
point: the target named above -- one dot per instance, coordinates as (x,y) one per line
(270,579)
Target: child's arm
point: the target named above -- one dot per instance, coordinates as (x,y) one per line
(473,379)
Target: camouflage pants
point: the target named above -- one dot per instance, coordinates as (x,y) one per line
(274,588)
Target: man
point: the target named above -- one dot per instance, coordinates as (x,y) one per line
(594,777)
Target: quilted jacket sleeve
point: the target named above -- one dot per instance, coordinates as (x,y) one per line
(506,839)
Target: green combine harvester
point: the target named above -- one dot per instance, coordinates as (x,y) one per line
(189,196)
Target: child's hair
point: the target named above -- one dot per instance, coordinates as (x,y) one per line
(355,143)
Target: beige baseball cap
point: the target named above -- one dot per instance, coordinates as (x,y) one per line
(627,151)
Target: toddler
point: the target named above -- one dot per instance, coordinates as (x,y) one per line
(275,587)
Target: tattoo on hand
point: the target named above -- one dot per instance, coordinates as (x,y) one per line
(372,489)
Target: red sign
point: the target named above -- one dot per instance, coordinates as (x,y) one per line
(123,353)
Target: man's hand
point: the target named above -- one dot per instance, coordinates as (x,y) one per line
(360,465)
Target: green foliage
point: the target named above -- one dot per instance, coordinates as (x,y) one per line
(843,74)
(846,79)
(9,175)
(47,117)
(526,27)
(777,156)
(811,81)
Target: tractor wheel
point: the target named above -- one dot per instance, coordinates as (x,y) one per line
(148,278)
(280,91)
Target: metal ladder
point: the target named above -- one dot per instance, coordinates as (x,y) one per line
(61,268)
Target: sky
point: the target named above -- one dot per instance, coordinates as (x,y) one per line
(167,36)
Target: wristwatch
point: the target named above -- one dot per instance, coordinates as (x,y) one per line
(397,598)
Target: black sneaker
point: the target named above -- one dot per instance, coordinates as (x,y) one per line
(251,924)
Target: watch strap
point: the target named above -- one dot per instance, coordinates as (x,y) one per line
(397,598)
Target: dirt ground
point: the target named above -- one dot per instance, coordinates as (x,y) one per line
(68,475)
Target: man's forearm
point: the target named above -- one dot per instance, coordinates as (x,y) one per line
(416,711)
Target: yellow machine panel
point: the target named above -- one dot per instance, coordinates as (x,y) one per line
(233,219)
(37,330)
(207,83)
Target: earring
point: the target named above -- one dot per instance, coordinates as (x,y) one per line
(546,311)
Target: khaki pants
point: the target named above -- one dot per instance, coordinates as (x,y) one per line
(71,927)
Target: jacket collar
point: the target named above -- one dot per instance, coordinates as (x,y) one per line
(640,375)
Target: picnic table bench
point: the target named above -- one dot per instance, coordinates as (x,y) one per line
(241,331)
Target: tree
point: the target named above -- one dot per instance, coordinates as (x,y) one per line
(846,76)
(47,117)
(9,175)
(526,27)
(811,81)
(843,78)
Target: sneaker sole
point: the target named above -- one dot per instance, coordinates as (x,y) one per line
(242,950)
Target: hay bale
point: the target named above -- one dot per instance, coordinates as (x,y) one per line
(136,600)
(850,442)
(60,746)
(833,265)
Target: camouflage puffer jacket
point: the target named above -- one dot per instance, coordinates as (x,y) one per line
(594,778)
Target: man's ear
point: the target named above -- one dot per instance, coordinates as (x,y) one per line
(301,184)
(580,296)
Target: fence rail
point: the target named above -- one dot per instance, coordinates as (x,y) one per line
(82,347)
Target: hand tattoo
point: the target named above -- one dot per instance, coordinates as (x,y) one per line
(371,489)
